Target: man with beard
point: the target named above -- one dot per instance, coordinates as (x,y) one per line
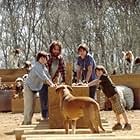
(56,69)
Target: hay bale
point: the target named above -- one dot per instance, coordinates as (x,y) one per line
(128,96)
(121,94)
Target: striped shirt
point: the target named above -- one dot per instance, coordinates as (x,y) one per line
(60,69)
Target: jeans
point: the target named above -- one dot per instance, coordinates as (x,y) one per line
(43,93)
(92,91)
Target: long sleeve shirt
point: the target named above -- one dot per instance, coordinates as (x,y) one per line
(37,76)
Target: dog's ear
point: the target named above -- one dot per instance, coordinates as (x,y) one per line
(69,87)
(58,88)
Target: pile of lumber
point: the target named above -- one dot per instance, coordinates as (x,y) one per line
(7,86)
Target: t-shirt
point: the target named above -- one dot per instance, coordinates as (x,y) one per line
(107,86)
(84,63)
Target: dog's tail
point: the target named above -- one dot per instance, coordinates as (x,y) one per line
(99,118)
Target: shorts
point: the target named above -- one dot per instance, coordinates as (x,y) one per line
(117,106)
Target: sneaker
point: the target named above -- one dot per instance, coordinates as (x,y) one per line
(117,126)
(127,126)
(42,119)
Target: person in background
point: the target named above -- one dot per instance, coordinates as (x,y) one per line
(33,84)
(86,68)
(56,69)
(136,67)
(112,94)
(27,66)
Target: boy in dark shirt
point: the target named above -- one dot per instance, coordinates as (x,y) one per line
(111,93)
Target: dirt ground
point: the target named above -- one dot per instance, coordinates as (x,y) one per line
(11,121)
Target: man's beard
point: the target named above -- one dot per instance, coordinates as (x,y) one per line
(55,54)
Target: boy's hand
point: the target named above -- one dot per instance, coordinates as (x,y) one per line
(53,85)
(98,81)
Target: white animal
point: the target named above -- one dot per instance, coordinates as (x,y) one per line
(128,61)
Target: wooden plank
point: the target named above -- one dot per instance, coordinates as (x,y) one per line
(18,105)
(20,131)
(66,136)
(82,137)
(10,75)
(136,98)
(56,121)
(62,131)
(40,130)
(69,73)
(130,80)
(12,71)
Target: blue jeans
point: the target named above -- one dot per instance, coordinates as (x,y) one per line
(92,91)
(43,93)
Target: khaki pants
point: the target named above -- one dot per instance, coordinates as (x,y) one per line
(29,104)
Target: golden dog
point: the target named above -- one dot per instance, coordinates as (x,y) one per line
(75,107)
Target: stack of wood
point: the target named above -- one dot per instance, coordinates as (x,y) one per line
(7,86)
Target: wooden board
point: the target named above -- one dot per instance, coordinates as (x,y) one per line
(18,105)
(66,136)
(38,131)
(12,71)
(55,116)
(136,98)
(69,73)
(130,80)
(10,75)
(82,137)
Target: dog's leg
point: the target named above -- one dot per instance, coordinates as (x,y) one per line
(66,126)
(91,127)
(93,120)
(73,125)
(90,124)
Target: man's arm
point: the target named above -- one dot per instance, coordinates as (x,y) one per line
(62,69)
(79,73)
(89,72)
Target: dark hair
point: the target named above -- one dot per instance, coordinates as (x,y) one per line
(41,54)
(83,46)
(55,43)
(137,60)
(102,68)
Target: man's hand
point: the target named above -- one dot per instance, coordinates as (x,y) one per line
(53,85)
